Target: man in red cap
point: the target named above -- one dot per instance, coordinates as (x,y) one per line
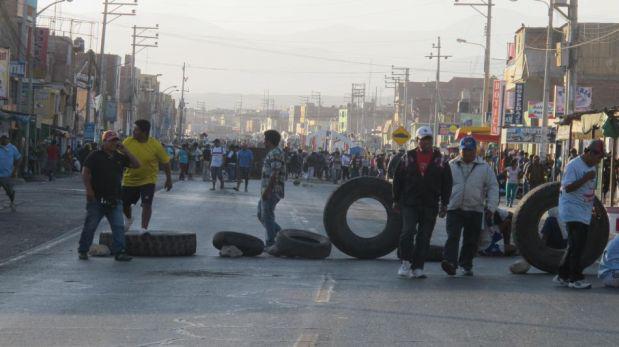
(102,176)
(575,209)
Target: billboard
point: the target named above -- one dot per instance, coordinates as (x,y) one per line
(41,42)
(447,129)
(527,135)
(497,107)
(470,120)
(518,111)
(536,109)
(584,97)
(5,63)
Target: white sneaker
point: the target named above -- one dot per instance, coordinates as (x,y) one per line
(128,223)
(405,270)
(143,231)
(582,284)
(418,273)
(560,281)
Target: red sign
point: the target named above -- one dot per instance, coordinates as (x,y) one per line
(41,39)
(497,100)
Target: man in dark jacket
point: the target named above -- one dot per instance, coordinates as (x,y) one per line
(421,191)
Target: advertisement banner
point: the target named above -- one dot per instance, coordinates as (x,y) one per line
(470,120)
(528,135)
(89,131)
(536,109)
(446,129)
(41,41)
(5,63)
(518,111)
(584,95)
(110,111)
(18,69)
(497,103)
(559,101)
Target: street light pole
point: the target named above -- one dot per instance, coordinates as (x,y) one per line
(543,145)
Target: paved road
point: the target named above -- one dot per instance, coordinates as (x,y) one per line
(49,298)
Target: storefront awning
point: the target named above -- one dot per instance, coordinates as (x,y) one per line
(480,134)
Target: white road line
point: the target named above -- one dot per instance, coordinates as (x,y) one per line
(306,340)
(45,246)
(323,295)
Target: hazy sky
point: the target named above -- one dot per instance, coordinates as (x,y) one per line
(296,46)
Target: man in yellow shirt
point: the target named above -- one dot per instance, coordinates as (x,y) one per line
(139,183)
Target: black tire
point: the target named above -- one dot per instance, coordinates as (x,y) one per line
(156,243)
(525,226)
(435,254)
(302,244)
(343,237)
(251,246)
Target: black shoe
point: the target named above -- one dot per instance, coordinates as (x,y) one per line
(122,256)
(237,189)
(83,255)
(448,267)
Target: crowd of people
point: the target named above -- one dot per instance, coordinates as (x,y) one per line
(464,188)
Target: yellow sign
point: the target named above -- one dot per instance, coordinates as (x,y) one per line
(400,136)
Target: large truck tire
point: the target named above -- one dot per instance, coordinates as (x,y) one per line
(156,243)
(251,246)
(302,244)
(526,224)
(339,231)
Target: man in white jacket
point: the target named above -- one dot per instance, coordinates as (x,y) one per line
(475,189)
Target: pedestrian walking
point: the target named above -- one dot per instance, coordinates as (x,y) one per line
(191,162)
(513,173)
(139,183)
(421,191)
(346,161)
(10,158)
(337,167)
(576,210)
(102,177)
(272,188)
(475,191)
(206,163)
(535,172)
(246,159)
(231,160)
(183,162)
(53,156)
(217,163)
(198,163)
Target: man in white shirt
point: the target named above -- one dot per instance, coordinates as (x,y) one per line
(217,162)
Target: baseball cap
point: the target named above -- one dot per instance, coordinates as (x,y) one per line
(468,143)
(596,146)
(424,131)
(4,134)
(109,135)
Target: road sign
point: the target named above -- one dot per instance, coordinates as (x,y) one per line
(400,136)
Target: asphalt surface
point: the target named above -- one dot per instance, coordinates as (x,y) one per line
(50,298)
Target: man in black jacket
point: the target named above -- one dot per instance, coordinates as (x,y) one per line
(421,191)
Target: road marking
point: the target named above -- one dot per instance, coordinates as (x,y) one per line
(45,246)
(323,295)
(306,340)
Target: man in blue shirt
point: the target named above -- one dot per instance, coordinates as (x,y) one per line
(9,162)
(575,209)
(609,265)
(246,158)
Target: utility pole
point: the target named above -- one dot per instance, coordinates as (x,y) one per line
(398,72)
(437,98)
(116,4)
(546,98)
(488,15)
(571,73)
(181,106)
(139,33)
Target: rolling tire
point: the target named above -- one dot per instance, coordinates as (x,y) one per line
(251,246)
(525,225)
(302,244)
(435,254)
(156,243)
(337,227)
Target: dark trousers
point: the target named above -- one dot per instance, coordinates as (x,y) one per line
(417,226)
(571,268)
(465,224)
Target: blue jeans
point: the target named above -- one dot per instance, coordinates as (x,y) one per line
(266,216)
(95,211)
(511,190)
